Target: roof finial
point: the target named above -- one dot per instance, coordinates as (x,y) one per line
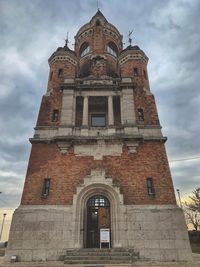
(129,36)
(67,40)
(98,5)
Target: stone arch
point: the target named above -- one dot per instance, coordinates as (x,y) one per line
(107,189)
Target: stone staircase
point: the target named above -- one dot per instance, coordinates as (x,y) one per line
(100,256)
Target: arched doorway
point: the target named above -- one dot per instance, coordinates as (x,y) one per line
(98,217)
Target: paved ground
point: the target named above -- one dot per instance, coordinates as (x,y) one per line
(195,263)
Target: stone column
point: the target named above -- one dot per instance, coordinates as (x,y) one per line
(85,111)
(110,111)
(127,108)
(67,107)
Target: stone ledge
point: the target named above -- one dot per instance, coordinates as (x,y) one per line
(195,263)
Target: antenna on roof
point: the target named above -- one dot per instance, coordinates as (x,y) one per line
(67,40)
(129,37)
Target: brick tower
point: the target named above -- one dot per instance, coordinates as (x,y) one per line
(98,158)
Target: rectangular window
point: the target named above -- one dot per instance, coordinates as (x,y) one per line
(46,187)
(150,187)
(55,115)
(135,72)
(140,114)
(60,73)
(97,111)
(98,120)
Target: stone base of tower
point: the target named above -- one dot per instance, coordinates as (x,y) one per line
(157,232)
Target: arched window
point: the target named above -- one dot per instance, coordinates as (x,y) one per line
(85,49)
(112,49)
(98,201)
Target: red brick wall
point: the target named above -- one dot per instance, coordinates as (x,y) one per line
(127,71)
(129,171)
(48,104)
(147,103)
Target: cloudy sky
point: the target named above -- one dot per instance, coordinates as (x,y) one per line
(167,30)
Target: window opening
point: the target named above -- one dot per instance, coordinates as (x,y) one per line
(60,73)
(98,110)
(98,201)
(98,120)
(112,49)
(150,187)
(55,115)
(46,187)
(98,23)
(140,114)
(85,49)
(135,72)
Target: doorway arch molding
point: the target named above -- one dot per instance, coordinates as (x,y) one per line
(97,184)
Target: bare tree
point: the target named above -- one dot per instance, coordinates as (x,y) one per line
(192,209)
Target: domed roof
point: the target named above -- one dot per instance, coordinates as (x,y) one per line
(98,17)
(130,47)
(64,49)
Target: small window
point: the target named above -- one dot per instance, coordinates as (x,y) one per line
(55,115)
(51,75)
(60,73)
(140,114)
(98,23)
(46,187)
(150,187)
(85,49)
(135,72)
(98,120)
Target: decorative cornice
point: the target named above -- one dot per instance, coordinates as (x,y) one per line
(71,60)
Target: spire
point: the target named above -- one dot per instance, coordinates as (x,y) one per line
(66,41)
(99,14)
(129,37)
(98,5)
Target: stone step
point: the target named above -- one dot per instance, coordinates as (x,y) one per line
(91,253)
(95,262)
(100,256)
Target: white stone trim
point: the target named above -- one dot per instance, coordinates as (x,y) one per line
(98,183)
(62,57)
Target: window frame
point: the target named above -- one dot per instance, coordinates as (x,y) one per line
(55,117)
(150,186)
(100,114)
(84,49)
(60,73)
(140,112)
(46,187)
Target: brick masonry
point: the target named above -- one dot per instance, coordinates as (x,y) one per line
(82,161)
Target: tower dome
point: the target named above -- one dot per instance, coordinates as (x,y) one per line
(97,45)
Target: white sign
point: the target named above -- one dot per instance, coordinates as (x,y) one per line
(105,235)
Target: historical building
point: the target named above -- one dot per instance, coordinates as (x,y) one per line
(98,158)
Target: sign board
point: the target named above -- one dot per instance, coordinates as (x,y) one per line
(105,236)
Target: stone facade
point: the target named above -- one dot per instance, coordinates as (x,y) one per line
(98,135)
